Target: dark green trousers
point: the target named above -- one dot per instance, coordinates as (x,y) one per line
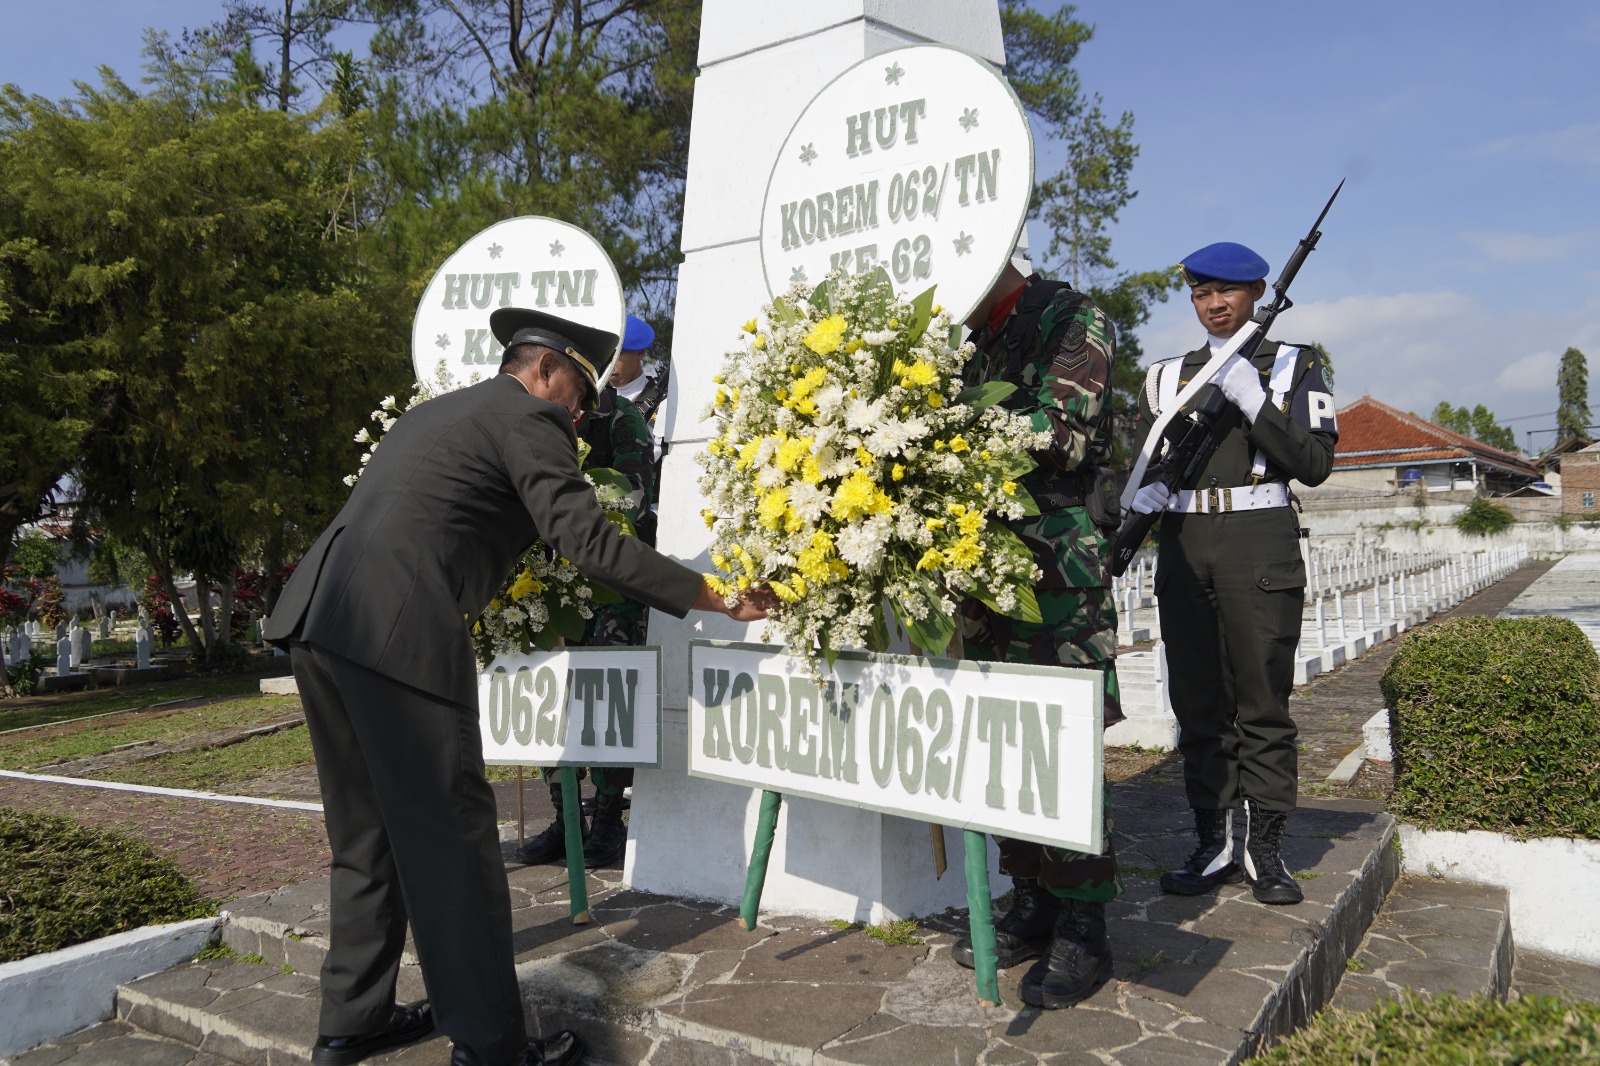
(1230,588)
(411,824)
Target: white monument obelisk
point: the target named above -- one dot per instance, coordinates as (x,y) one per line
(761,63)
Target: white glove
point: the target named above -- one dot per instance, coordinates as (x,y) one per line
(1241,383)
(1152,498)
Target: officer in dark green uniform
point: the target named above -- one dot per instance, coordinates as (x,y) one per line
(619,439)
(1230,579)
(1057,347)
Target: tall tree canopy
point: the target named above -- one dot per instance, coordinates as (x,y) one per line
(176,259)
(1478,423)
(1078,204)
(1572,396)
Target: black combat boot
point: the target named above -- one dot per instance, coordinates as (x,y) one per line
(608,836)
(1023,932)
(1212,863)
(1078,962)
(1269,877)
(551,845)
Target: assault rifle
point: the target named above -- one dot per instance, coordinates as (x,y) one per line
(1191,439)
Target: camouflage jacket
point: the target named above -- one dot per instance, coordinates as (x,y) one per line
(1057,347)
(619,438)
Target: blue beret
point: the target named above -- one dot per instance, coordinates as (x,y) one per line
(639,336)
(1223,261)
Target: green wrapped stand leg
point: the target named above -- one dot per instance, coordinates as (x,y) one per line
(981,920)
(572,819)
(756,876)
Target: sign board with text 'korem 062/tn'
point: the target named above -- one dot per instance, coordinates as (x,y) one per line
(919,161)
(1002,748)
(572,707)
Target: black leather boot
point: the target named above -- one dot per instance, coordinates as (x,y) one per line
(1023,932)
(550,845)
(1269,877)
(1212,863)
(608,836)
(1078,962)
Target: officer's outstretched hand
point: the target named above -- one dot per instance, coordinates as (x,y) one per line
(753,604)
(1152,498)
(1241,384)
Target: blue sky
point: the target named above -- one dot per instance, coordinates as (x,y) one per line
(1462,258)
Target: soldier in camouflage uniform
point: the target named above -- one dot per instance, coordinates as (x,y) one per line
(618,438)
(1057,347)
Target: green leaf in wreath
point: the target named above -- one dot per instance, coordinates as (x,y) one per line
(878,632)
(566,621)
(783,312)
(1030,506)
(822,296)
(921,312)
(981,397)
(616,479)
(932,634)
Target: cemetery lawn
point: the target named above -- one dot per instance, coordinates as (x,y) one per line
(38,710)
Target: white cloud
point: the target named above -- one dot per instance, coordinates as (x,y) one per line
(1412,350)
(1506,246)
(1578,144)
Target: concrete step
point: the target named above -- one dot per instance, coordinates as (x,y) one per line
(1433,936)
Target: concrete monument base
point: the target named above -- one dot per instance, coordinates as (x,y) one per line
(690,836)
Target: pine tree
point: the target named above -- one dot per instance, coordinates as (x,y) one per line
(1572,392)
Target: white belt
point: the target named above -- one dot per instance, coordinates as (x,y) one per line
(1238,498)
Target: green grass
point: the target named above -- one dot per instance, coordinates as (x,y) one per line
(1446,1031)
(63,884)
(35,750)
(213,769)
(35,710)
(901,932)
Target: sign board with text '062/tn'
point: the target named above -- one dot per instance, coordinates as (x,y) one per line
(572,707)
(1002,748)
(919,161)
(530,261)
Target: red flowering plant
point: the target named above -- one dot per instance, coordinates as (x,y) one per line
(156,604)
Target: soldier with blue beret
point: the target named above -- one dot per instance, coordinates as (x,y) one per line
(1230,579)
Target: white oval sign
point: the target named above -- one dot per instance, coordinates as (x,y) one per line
(918,160)
(531,261)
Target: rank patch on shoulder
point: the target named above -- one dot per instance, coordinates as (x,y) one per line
(1327,377)
(1072,354)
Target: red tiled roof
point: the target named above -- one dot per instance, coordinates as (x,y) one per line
(1374,434)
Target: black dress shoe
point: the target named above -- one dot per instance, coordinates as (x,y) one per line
(406,1026)
(562,1049)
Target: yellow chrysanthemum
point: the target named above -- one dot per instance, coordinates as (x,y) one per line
(822,543)
(858,495)
(784,592)
(958,443)
(750,326)
(970,522)
(931,559)
(933,523)
(826,336)
(1008,487)
(745,561)
(898,472)
(770,509)
(717,584)
(813,565)
(760,342)
(792,452)
(955,508)
(921,373)
(838,569)
(965,554)
(747,454)
(863,457)
(935,400)
(720,561)
(810,470)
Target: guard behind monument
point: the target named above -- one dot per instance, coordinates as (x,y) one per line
(461,487)
(1230,579)
(1057,347)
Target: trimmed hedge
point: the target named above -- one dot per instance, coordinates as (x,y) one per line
(63,884)
(1446,1031)
(1495,724)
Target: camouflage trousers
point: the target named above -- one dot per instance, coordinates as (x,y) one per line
(1077,627)
(615,625)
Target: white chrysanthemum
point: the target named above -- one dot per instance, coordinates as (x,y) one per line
(860,414)
(879,336)
(861,545)
(810,502)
